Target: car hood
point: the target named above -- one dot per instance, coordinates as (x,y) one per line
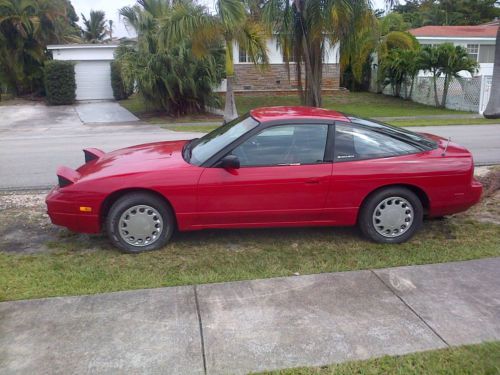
(135,159)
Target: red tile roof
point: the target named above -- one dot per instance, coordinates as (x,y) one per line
(480,31)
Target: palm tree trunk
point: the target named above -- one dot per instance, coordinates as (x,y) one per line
(435,89)
(493,108)
(230,111)
(410,95)
(445,90)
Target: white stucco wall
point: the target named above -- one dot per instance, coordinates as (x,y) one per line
(275,56)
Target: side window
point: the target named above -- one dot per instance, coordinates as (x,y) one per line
(283,145)
(357,143)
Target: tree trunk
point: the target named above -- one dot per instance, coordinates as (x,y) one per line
(230,112)
(445,90)
(493,108)
(411,88)
(313,94)
(435,89)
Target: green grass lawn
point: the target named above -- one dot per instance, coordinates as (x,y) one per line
(191,128)
(362,104)
(481,359)
(82,265)
(403,123)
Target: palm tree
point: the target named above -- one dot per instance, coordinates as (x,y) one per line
(493,108)
(305,28)
(454,59)
(170,78)
(447,60)
(95,27)
(232,24)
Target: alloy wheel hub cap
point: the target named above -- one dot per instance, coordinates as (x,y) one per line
(140,225)
(393,217)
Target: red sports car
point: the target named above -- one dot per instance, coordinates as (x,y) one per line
(273,167)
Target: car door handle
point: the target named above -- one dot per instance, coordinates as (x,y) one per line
(312,181)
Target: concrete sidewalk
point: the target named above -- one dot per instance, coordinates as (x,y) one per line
(236,328)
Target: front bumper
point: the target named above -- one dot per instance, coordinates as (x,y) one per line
(64,210)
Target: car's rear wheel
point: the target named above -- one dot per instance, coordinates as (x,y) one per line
(391,215)
(139,222)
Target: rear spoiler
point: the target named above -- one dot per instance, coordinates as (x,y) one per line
(92,154)
(66,176)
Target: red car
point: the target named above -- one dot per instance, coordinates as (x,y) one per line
(274,167)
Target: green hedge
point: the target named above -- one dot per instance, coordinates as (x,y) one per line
(120,90)
(60,84)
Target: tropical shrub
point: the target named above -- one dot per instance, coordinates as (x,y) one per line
(172,79)
(60,84)
(120,90)
(446,60)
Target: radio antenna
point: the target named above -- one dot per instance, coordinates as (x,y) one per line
(446,147)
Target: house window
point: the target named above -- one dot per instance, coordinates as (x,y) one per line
(243,56)
(487,54)
(473,51)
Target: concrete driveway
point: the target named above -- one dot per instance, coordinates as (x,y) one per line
(242,327)
(35,139)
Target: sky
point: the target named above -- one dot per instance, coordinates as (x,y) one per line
(110,7)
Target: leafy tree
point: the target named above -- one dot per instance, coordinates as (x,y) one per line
(493,107)
(232,23)
(448,12)
(26,27)
(392,22)
(94,30)
(173,78)
(446,60)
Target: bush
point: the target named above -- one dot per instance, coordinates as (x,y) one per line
(60,84)
(120,90)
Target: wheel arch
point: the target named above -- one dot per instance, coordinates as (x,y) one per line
(418,191)
(114,196)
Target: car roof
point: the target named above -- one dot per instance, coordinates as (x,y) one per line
(264,114)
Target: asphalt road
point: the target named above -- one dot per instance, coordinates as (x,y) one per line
(35,140)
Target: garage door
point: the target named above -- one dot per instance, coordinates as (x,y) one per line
(93,80)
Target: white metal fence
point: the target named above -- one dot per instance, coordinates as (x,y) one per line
(464,94)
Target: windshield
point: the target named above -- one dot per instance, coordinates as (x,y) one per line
(204,148)
(396,132)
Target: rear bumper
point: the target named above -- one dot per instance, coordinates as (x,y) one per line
(65,212)
(462,202)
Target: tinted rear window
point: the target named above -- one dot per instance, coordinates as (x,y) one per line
(398,133)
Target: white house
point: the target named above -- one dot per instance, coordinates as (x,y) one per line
(92,68)
(478,40)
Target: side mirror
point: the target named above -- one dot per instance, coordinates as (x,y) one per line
(230,162)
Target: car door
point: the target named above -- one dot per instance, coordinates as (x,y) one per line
(283,179)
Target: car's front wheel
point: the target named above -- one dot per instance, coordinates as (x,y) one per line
(391,215)
(139,222)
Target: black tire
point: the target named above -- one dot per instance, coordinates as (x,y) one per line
(130,200)
(370,205)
